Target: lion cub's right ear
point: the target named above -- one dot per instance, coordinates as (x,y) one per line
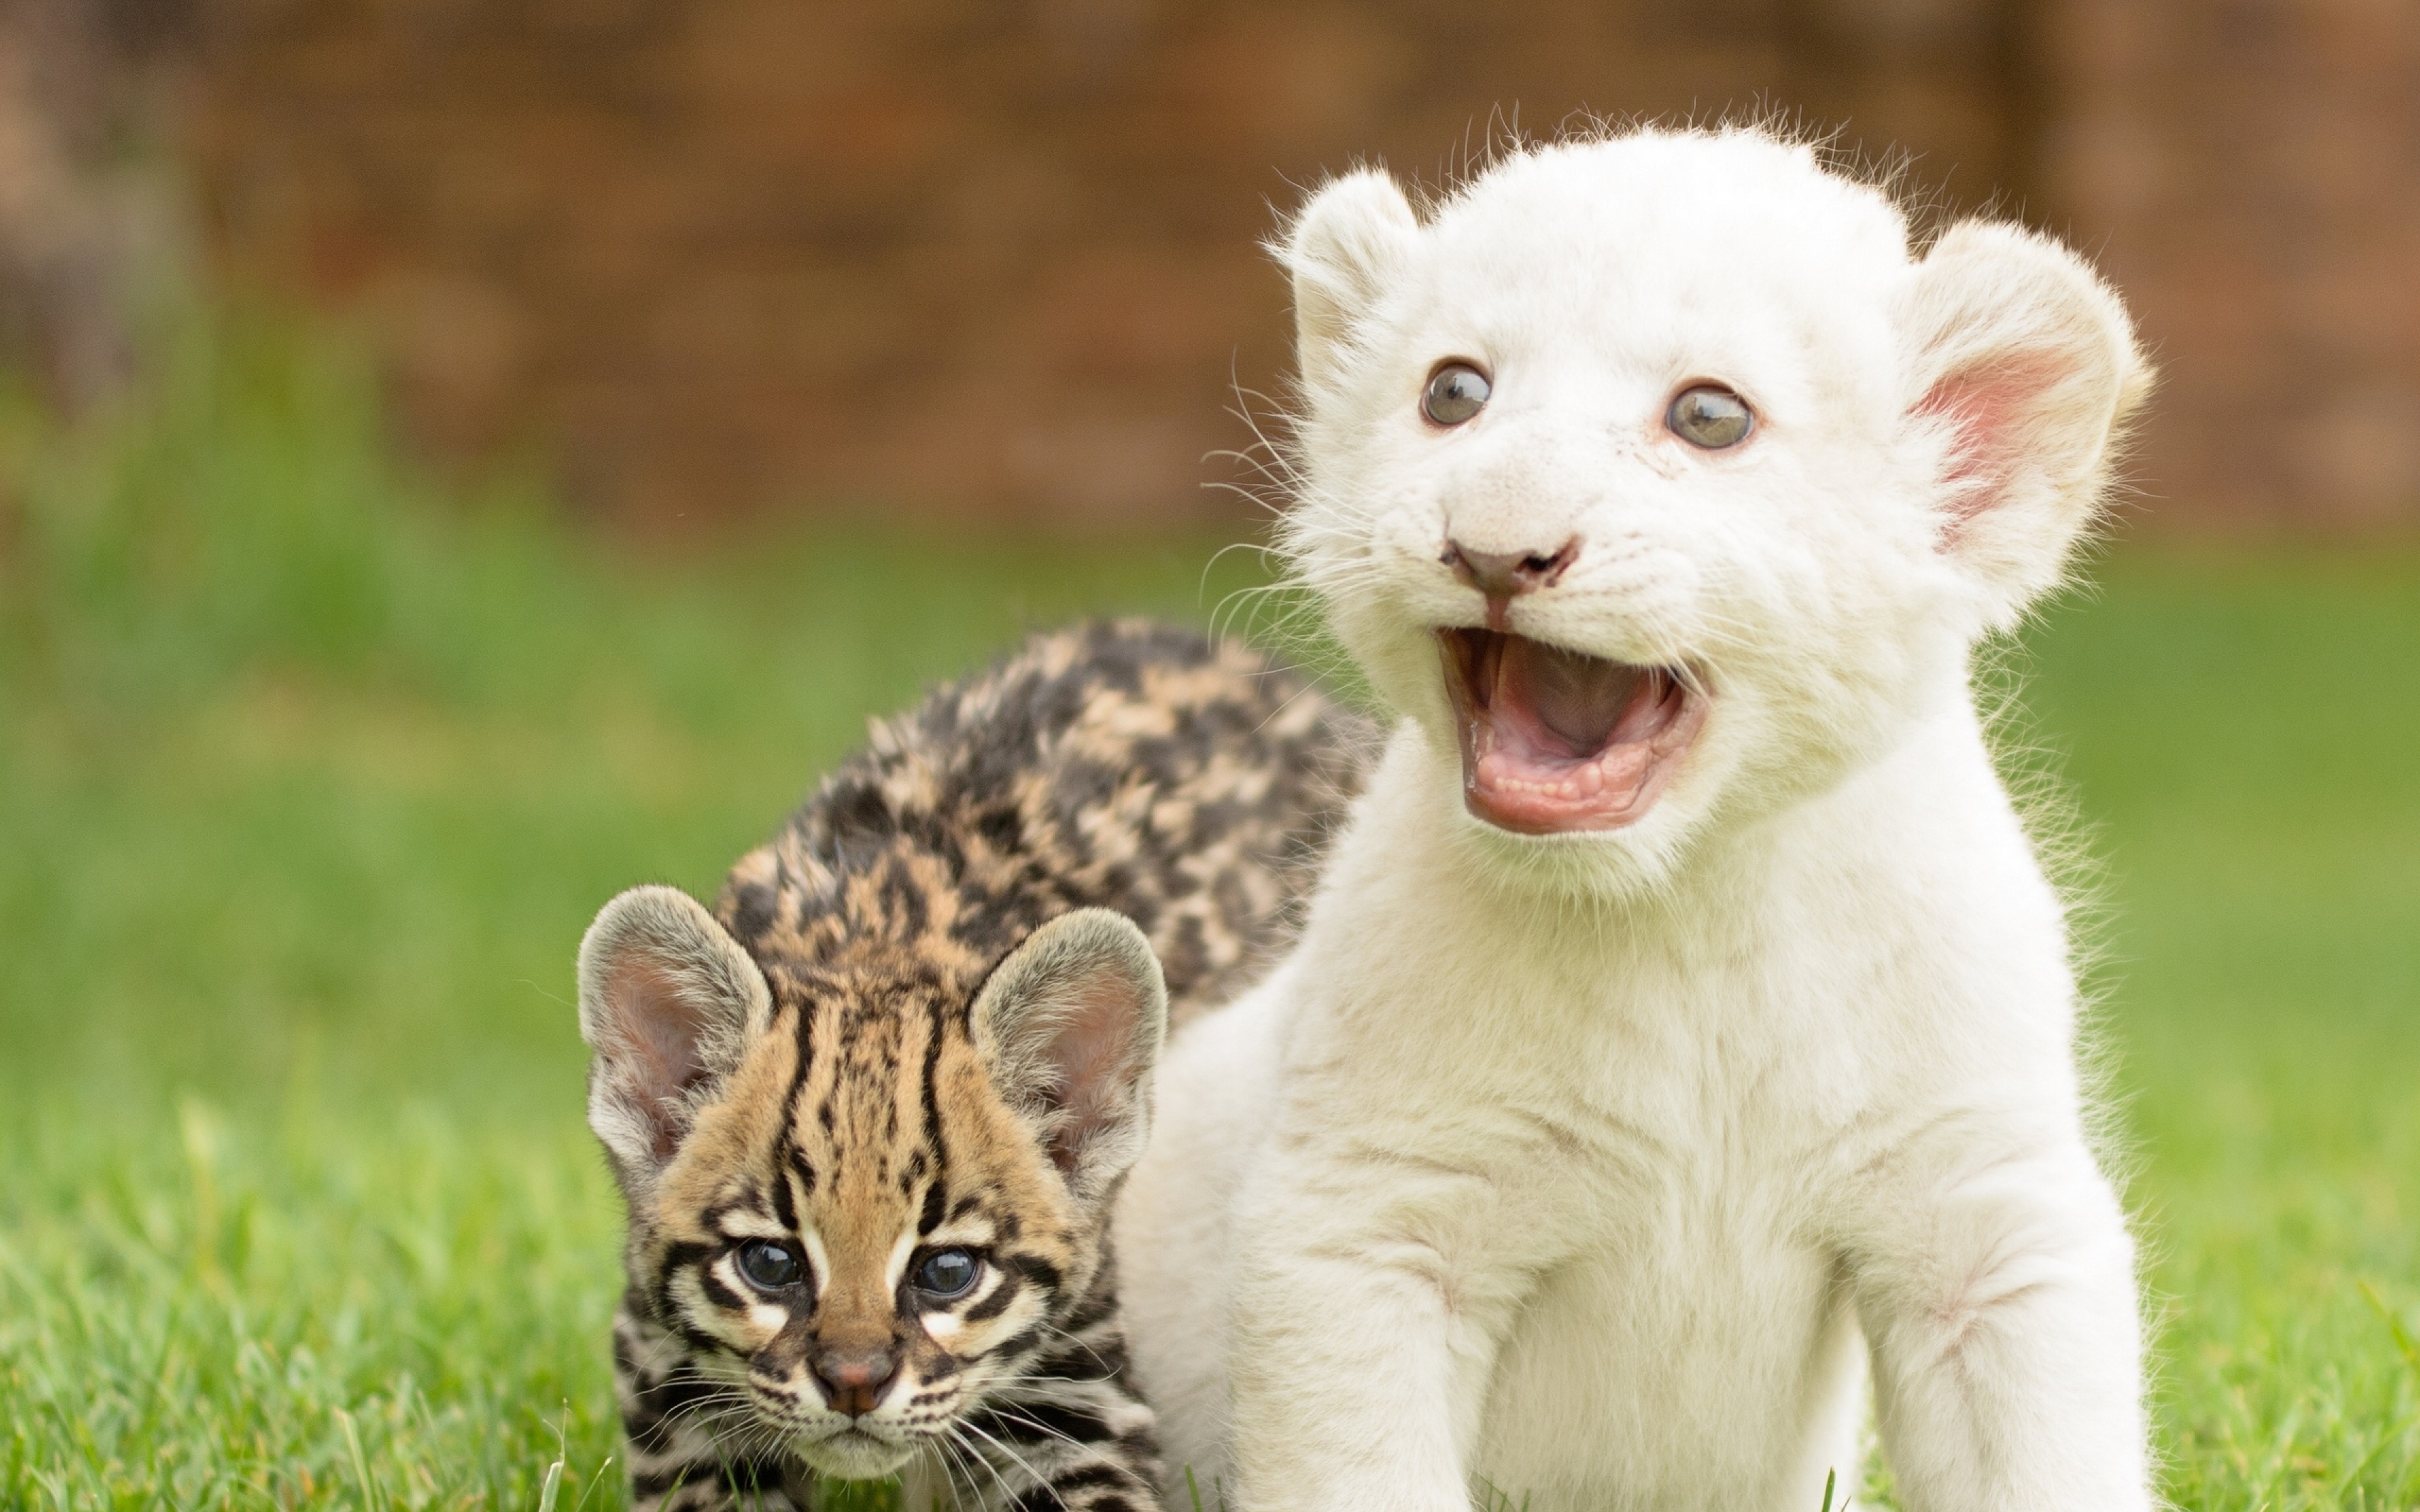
(669,1002)
(1342,250)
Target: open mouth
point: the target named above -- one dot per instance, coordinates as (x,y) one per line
(1554,741)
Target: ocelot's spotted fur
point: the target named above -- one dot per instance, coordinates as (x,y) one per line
(870,1114)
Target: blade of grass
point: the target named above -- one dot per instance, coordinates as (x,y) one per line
(2402,1336)
(371,1500)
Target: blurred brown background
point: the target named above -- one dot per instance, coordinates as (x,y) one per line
(710,257)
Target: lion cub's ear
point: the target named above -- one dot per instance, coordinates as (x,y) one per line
(669,1002)
(1341,250)
(1071,1024)
(2028,363)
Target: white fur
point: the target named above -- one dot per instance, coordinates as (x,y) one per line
(1606,1168)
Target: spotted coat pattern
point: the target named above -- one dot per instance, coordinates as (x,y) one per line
(1188,784)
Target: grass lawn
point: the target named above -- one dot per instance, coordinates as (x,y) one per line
(310,776)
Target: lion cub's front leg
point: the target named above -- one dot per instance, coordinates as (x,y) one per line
(1996,1286)
(1360,1354)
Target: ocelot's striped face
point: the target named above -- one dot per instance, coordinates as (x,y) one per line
(862,1222)
(893,1200)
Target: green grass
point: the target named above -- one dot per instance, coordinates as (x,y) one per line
(2244,729)
(311,774)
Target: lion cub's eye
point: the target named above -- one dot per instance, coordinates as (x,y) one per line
(947,1274)
(1455,393)
(1711,416)
(769,1266)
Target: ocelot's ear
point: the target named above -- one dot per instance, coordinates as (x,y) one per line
(1071,1024)
(668,1002)
(2024,370)
(1342,250)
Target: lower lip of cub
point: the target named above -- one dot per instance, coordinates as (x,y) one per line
(1559,742)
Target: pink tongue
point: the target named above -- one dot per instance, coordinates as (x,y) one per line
(1578,698)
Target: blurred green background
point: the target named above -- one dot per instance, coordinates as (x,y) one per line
(312,770)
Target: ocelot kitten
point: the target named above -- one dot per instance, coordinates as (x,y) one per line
(870,1114)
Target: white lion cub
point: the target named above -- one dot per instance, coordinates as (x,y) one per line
(1684,1030)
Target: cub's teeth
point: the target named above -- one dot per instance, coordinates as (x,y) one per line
(1622,771)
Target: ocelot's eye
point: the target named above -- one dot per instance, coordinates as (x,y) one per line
(1456,392)
(947,1274)
(1710,416)
(768,1264)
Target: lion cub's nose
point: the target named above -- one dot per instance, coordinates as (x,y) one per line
(1501,575)
(852,1380)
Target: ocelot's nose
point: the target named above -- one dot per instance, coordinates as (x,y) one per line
(853,1379)
(1502,575)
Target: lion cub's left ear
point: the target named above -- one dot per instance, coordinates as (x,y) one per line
(2028,361)
(1071,1024)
